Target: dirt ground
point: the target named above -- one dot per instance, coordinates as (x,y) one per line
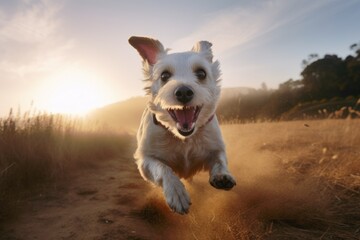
(295,180)
(99,203)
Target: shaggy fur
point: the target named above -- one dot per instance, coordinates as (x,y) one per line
(179,134)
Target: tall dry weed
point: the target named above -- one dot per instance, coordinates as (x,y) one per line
(39,149)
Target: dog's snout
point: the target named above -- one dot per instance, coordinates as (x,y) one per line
(184,94)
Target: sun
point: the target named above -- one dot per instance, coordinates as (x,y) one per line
(74,92)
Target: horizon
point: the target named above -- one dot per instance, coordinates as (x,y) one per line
(50,59)
(33,110)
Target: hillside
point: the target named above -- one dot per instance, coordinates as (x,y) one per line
(234,92)
(121,115)
(127,114)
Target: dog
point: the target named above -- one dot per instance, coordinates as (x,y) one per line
(179,134)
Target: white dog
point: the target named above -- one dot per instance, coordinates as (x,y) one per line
(179,134)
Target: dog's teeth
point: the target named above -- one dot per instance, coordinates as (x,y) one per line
(178,125)
(183,129)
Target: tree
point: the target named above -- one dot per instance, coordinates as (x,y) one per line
(311,58)
(353,71)
(291,84)
(325,78)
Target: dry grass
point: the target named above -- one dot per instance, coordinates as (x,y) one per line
(296,180)
(38,150)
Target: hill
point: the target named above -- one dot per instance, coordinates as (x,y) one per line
(127,114)
(235,92)
(124,115)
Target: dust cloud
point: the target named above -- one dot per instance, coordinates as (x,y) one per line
(265,194)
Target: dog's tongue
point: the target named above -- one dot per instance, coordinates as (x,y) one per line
(185,117)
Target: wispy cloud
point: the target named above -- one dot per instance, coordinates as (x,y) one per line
(30,25)
(29,38)
(235,27)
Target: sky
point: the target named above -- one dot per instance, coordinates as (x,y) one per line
(70,56)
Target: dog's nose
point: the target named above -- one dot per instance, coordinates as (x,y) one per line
(184,94)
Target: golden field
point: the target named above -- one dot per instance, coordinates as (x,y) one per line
(295,180)
(38,151)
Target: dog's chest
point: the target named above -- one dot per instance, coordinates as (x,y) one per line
(189,157)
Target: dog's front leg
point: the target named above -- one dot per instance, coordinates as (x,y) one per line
(220,176)
(162,175)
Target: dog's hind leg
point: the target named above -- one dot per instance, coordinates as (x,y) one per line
(162,175)
(220,176)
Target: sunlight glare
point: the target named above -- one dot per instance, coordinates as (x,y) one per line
(75,92)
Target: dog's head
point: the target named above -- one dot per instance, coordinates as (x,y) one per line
(184,87)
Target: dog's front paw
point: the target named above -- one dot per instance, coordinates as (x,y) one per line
(177,197)
(222,181)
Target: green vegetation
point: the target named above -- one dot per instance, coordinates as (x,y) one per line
(328,85)
(39,150)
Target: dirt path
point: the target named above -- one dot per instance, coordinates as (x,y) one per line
(100,203)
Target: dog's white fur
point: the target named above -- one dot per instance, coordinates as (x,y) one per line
(163,153)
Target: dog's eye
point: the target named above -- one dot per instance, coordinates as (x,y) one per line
(200,74)
(165,76)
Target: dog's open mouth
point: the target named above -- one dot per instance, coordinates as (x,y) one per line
(185,119)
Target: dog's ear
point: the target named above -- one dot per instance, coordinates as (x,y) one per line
(204,47)
(148,48)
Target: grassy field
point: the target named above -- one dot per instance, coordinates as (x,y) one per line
(40,150)
(295,180)
(302,177)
